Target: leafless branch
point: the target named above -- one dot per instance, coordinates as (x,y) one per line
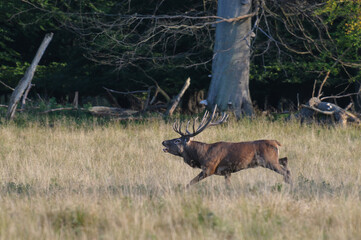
(125,93)
(7,86)
(329,71)
(323,83)
(339,96)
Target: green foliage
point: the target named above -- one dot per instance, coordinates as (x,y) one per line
(63,68)
(12,74)
(85,59)
(346,14)
(7,54)
(305,49)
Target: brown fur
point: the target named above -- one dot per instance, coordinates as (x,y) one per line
(225,158)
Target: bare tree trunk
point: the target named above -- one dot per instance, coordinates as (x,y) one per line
(176,100)
(76,100)
(230,68)
(25,96)
(358,97)
(28,76)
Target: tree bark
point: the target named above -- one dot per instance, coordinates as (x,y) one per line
(358,97)
(28,76)
(229,86)
(175,102)
(25,96)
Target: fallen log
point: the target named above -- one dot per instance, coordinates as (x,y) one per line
(63,109)
(112,111)
(315,106)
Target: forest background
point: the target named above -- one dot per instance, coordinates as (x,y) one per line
(103,43)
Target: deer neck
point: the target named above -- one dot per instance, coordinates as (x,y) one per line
(194,153)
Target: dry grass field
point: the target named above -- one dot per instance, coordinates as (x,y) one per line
(113,181)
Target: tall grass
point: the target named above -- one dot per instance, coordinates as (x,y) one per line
(111,181)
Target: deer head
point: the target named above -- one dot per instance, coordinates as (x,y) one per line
(177,146)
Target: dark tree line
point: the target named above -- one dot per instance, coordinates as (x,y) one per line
(131,45)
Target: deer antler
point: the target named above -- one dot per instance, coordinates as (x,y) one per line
(204,123)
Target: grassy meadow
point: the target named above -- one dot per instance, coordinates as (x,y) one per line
(112,181)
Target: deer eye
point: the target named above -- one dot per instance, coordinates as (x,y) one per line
(177,141)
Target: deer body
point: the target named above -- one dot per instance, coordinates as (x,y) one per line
(224,158)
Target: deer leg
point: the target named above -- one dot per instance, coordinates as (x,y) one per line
(288,177)
(281,170)
(205,173)
(283,162)
(198,178)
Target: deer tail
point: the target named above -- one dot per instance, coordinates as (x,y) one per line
(278,143)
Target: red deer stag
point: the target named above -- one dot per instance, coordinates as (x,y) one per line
(224,158)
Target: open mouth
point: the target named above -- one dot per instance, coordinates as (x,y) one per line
(165,149)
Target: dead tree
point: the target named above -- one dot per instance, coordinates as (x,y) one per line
(25,82)
(177,99)
(339,115)
(315,106)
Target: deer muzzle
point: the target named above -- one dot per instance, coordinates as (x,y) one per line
(164,143)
